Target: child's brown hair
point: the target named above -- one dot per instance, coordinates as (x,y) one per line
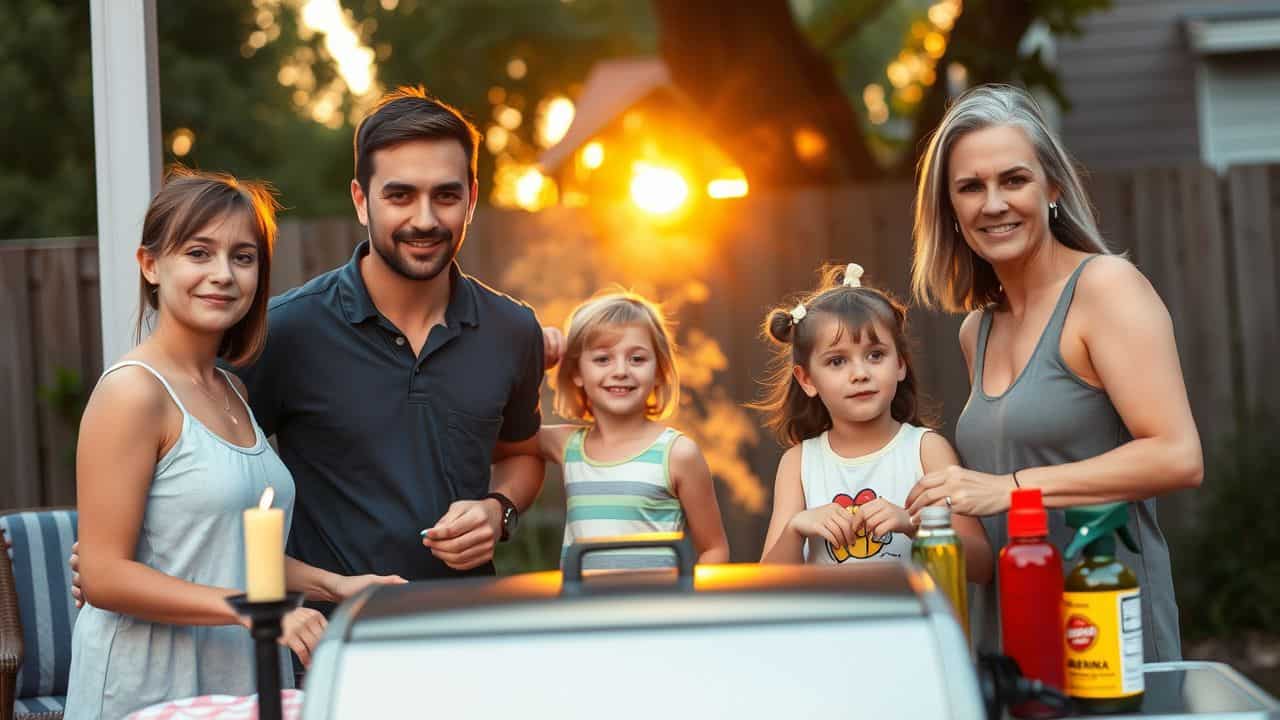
(794,416)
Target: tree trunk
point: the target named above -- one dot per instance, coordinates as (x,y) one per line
(985,41)
(760,84)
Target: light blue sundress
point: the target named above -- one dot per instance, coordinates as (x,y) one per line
(192,529)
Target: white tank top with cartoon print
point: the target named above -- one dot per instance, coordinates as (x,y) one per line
(888,473)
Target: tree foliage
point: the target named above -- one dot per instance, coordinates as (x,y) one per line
(239,114)
(758,72)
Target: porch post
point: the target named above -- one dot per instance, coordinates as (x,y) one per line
(127,153)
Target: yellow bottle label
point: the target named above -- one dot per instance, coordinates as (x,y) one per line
(1103,636)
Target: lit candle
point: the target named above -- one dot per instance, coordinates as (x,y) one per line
(264,550)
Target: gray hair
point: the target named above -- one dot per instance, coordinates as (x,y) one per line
(945,271)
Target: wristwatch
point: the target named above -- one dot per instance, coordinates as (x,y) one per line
(510,516)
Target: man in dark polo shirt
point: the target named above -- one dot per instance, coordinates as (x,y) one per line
(393,382)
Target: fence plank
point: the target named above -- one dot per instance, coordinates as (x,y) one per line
(56,321)
(90,310)
(1274,203)
(22,480)
(853,231)
(804,238)
(892,222)
(1203,264)
(1195,261)
(1112,196)
(1253,246)
(328,244)
(287,262)
(476,257)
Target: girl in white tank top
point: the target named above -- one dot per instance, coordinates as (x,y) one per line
(843,397)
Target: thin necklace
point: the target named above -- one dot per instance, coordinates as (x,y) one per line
(226,398)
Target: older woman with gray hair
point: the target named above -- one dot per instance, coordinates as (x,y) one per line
(1076,387)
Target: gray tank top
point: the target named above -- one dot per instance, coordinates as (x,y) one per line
(1049,416)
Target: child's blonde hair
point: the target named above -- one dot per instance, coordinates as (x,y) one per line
(597,315)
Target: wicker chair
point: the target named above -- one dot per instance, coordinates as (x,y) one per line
(35,565)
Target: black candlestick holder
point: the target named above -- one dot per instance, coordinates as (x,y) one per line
(265,627)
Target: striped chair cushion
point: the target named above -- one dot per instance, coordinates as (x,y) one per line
(41,542)
(38,705)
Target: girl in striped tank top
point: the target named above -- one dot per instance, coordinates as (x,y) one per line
(843,396)
(625,472)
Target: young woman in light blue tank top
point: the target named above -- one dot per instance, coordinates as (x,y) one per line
(169,457)
(1076,387)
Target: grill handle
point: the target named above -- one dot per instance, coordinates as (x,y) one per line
(686,557)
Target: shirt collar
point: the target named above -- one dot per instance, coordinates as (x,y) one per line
(358,306)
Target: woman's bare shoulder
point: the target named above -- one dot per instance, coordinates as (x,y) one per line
(1108,274)
(1114,290)
(126,398)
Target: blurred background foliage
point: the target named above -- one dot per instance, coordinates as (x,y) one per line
(271,88)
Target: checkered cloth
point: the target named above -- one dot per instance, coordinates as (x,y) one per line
(219,707)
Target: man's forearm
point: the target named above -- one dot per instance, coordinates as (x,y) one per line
(519,478)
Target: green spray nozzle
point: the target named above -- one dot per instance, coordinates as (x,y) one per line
(1095,525)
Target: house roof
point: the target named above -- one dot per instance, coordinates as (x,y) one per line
(1234,31)
(611,87)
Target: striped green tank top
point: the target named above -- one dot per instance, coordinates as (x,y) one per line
(621,498)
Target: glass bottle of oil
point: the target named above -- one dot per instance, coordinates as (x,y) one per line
(937,549)
(1102,604)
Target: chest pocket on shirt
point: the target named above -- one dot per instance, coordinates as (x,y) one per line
(468,454)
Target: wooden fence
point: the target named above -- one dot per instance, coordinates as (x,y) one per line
(1210,244)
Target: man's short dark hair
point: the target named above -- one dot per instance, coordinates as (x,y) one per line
(406,114)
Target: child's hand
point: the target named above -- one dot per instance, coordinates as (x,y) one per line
(301,630)
(831,522)
(552,346)
(883,517)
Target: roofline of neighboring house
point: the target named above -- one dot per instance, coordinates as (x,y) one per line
(1233,31)
(611,87)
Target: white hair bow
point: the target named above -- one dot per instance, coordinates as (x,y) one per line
(853,275)
(797,314)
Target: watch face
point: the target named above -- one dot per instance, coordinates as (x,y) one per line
(510,518)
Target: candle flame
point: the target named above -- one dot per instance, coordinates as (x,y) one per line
(267,496)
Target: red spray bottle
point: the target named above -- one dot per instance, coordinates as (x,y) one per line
(1031,598)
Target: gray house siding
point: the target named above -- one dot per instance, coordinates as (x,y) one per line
(1131,80)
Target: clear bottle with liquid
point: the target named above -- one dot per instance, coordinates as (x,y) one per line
(937,549)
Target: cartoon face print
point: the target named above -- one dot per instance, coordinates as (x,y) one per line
(865,546)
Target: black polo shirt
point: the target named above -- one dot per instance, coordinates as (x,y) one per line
(381,442)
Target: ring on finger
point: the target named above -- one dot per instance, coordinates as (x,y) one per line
(948,501)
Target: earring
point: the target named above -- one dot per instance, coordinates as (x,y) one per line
(1053,210)
(956,225)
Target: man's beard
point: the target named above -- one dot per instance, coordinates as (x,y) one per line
(407,269)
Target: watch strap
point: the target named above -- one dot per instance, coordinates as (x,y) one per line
(509,512)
